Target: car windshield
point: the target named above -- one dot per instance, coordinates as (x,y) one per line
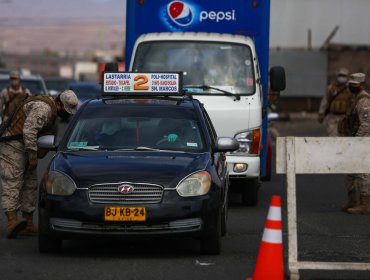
(35,86)
(225,66)
(87,91)
(136,128)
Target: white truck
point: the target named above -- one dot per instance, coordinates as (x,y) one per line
(220,69)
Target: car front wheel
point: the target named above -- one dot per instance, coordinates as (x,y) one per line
(211,244)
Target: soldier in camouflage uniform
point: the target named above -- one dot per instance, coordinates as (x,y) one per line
(13,95)
(18,158)
(357,123)
(335,103)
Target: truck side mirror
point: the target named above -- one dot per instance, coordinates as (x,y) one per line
(277,78)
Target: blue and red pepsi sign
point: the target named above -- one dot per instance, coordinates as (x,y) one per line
(244,17)
(180,13)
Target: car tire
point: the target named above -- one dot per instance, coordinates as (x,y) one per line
(250,192)
(224,216)
(211,244)
(48,244)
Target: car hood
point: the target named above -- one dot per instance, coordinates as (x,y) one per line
(166,169)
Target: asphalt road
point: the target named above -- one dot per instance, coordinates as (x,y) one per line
(324,234)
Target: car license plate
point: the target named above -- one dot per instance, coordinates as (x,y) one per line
(125,214)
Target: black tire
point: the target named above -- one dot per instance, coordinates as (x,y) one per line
(224,216)
(211,244)
(267,178)
(250,192)
(48,244)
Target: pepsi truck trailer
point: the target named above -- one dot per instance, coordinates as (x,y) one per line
(222,48)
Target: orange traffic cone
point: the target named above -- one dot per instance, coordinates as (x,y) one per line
(269,265)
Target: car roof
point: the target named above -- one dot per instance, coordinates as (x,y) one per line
(185,102)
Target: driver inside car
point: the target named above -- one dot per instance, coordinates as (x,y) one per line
(107,136)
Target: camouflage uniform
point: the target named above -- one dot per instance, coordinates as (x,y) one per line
(5,97)
(337,107)
(19,184)
(360,182)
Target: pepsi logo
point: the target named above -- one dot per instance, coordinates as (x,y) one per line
(125,188)
(180,13)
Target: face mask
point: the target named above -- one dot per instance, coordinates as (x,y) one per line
(64,115)
(341,80)
(354,89)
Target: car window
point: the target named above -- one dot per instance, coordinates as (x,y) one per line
(210,127)
(112,129)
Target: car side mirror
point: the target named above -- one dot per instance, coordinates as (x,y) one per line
(47,142)
(226,144)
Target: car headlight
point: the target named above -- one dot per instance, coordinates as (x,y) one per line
(249,142)
(59,184)
(195,185)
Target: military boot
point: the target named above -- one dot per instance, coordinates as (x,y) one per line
(14,225)
(362,208)
(30,229)
(352,201)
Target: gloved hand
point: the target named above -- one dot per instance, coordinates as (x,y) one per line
(171,137)
(320,118)
(32,160)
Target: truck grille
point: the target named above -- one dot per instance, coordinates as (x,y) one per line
(108,193)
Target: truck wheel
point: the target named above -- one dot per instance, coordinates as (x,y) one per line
(49,244)
(250,192)
(211,244)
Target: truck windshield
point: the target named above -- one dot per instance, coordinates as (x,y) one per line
(225,66)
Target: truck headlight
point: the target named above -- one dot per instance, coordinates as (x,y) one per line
(195,185)
(58,183)
(249,142)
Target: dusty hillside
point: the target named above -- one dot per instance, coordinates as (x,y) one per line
(64,37)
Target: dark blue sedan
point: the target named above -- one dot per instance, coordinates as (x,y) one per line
(136,167)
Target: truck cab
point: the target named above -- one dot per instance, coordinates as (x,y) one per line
(220,69)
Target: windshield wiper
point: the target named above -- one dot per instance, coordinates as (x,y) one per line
(86,148)
(207,87)
(143,148)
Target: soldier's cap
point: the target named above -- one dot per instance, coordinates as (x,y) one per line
(356,78)
(343,71)
(70,101)
(14,75)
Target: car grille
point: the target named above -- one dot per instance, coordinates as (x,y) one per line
(143,193)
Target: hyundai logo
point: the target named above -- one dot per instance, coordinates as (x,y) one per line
(125,188)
